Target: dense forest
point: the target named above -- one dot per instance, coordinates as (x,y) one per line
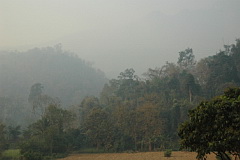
(130,114)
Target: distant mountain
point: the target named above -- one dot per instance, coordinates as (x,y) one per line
(62,74)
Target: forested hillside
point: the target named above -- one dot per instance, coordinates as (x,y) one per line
(62,75)
(131,113)
(144,114)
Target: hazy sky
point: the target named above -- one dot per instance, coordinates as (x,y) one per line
(119,34)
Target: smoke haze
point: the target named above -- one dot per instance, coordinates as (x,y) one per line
(115,35)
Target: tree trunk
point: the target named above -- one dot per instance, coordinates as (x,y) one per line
(142,142)
(224,156)
(51,147)
(190,95)
(98,146)
(135,142)
(227,157)
(149,146)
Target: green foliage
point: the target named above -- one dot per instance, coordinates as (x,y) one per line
(76,139)
(87,104)
(214,126)
(188,85)
(34,145)
(3,140)
(11,154)
(98,127)
(217,72)
(49,134)
(30,155)
(12,111)
(134,115)
(186,59)
(168,153)
(13,136)
(131,113)
(36,90)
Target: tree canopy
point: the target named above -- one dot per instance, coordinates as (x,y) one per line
(214,126)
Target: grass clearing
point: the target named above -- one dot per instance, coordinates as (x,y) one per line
(12,153)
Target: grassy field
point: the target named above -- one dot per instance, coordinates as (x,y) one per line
(11,153)
(137,156)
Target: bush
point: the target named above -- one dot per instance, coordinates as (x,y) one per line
(33,156)
(168,153)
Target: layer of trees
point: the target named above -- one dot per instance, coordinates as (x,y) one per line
(131,113)
(144,114)
(49,135)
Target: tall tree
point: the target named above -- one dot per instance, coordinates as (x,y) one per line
(214,126)
(40,101)
(13,133)
(47,135)
(35,91)
(222,70)
(86,106)
(188,85)
(186,59)
(235,54)
(150,123)
(98,127)
(3,141)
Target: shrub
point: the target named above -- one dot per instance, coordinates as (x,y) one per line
(168,153)
(33,156)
